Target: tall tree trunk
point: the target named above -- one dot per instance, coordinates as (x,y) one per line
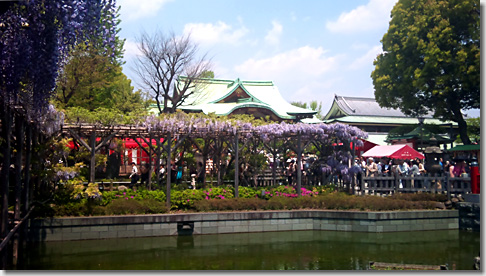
(463,131)
(19,145)
(35,182)
(4,178)
(462,125)
(28,156)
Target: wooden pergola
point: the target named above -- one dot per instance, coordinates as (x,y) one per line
(86,135)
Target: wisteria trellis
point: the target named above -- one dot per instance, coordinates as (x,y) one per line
(176,127)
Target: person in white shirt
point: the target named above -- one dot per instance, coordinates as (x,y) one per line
(134,175)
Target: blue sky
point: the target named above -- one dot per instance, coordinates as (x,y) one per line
(310,49)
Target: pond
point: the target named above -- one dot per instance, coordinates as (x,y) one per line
(292,250)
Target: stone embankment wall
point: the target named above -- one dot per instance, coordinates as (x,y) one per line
(61,229)
(469,216)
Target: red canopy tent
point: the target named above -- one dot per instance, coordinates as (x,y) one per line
(394,152)
(131,149)
(365,147)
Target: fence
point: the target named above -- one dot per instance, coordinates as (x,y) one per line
(415,183)
(378,185)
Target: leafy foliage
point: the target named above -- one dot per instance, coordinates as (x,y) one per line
(431,60)
(313,105)
(109,196)
(35,39)
(474,129)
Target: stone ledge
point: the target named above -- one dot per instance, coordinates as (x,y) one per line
(241,222)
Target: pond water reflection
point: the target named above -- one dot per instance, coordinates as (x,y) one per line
(293,250)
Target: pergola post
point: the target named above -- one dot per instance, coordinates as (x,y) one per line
(299,164)
(274,168)
(158,153)
(353,179)
(150,168)
(169,147)
(237,165)
(92,163)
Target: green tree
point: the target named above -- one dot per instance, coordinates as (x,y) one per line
(313,105)
(474,129)
(93,77)
(90,80)
(207,74)
(431,60)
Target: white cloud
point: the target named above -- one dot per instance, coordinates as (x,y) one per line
(208,33)
(302,74)
(131,49)
(367,59)
(302,63)
(273,36)
(374,15)
(132,10)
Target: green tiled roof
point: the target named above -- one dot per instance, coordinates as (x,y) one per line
(466,147)
(423,134)
(383,120)
(211,94)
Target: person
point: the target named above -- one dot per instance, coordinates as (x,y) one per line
(144,172)
(459,169)
(161,173)
(387,171)
(173,171)
(179,169)
(447,165)
(380,166)
(290,171)
(421,167)
(404,168)
(414,170)
(134,175)
(372,168)
(200,172)
(451,168)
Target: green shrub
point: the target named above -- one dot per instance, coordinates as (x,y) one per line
(247,192)
(108,197)
(123,206)
(184,200)
(421,197)
(233,204)
(71,209)
(218,193)
(153,206)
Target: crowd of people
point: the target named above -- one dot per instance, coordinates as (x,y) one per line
(387,167)
(311,169)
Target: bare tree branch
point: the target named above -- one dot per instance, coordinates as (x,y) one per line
(163,61)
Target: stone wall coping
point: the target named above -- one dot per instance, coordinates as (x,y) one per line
(242,215)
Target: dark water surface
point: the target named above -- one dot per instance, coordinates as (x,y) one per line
(293,250)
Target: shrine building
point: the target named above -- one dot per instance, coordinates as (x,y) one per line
(261,99)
